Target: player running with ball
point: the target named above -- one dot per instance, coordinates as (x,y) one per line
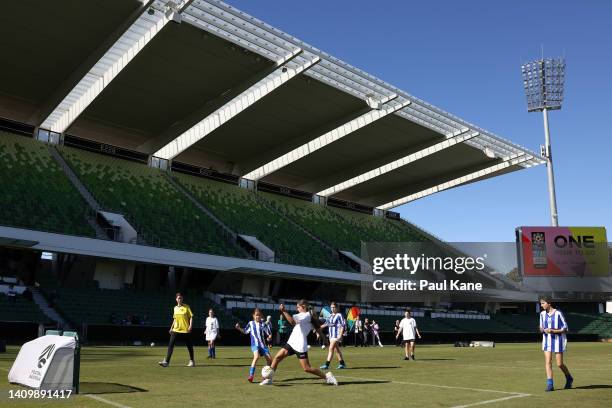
(335,323)
(303,322)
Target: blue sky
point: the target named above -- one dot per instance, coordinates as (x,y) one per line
(464,57)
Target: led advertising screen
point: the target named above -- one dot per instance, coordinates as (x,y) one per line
(563,251)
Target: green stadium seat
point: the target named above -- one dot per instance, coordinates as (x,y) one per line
(161,214)
(36,192)
(20,310)
(245,214)
(341,228)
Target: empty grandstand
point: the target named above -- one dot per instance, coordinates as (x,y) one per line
(185,145)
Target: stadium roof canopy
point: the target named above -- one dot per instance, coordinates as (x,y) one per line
(203,83)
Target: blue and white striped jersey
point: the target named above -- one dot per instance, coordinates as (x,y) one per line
(258,331)
(334,323)
(553,342)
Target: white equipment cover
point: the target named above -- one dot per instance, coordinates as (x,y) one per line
(46,363)
(482,344)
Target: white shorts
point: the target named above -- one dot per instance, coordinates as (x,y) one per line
(211,336)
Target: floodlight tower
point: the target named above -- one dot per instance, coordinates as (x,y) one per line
(544,80)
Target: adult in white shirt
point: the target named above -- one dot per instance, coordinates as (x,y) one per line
(409,330)
(303,322)
(212,332)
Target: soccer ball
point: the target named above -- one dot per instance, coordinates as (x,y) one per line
(152,344)
(267,372)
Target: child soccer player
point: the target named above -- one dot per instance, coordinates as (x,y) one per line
(212,332)
(259,332)
(553,328)
(303,322)
(335,324)
(375,335)
(268,324)
(408,328)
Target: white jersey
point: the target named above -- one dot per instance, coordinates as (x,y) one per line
(303,326)
(408,327)
(212,328)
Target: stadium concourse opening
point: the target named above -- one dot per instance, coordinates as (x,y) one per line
(181,161)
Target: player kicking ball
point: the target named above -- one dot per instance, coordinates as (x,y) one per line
(335,324)
(409,330)
(303,322)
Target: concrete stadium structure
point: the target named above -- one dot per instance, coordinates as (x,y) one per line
(202,83)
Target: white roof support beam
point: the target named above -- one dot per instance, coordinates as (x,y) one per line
(235,106)
(404,161)
(513,160)
(239,27)
(118,56)
(326,139)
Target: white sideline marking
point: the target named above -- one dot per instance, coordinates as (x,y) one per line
(511,395)
(435,385)
(104,400)
(492,401)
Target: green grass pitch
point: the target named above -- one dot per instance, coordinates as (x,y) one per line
(509,375)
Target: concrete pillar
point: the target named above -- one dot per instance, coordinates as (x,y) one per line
(171,278)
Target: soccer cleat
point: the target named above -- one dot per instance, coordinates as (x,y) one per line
(267,381)
(330,379)
(569,380)
(250,379)
(406,358)
(191,364)
(413,357)
(324,367)
(163,363)
(341,366)
(549,387)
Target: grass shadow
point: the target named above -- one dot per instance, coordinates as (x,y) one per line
(222,365)
(314,381)
(593,387)
(363,382)
(435,359)
(107,388)
(370,368)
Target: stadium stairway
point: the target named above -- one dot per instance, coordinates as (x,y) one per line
(47,310)
(272,208)
(318,221)
(206,211)
(20,310)
(337,228)
(242,211)
(161,214)
(35,191)
(80,187)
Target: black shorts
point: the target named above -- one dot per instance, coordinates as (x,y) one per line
(408,341)
(299,355)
